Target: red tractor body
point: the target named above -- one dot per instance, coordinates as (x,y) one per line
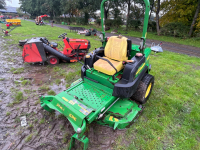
(41,50)
(73,45)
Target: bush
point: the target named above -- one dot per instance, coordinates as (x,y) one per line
(98,22)
(61,19)
(113,23)
(134,24)
(152,26)
(109,23)
(175,29)
(80,21)
(117,22)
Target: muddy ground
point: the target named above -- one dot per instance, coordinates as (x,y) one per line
(20,87)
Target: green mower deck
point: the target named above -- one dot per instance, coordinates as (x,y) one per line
(84,101)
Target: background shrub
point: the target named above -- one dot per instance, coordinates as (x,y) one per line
(175,29)
(134,24)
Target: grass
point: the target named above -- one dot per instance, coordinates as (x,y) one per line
(42,121)
(18,97)
(17,71)
(171,118)
(51,92)
(25,82)
(8,114)
(44,88)
(28,138)
(57,81)
(151,35)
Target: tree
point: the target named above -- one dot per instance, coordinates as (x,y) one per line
(128,2)
(52,7)
(2,4)
(69,7)
(184,11)
(87,7)
(157,17)
(194,19)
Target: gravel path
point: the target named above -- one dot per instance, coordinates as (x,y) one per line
(177,48)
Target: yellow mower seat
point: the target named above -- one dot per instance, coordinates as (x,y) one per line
(105,67)
(116,52)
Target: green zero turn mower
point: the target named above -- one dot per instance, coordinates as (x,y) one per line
(114,82)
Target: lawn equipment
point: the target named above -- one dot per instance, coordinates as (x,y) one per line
(41,50)
(6,32)
(90,32)
(39,21)
(16,22)
(115,82)
(157,48)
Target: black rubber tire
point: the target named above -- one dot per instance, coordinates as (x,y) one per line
(140,93)
(50,62)
(22,42)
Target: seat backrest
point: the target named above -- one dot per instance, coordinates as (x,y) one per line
(116,48)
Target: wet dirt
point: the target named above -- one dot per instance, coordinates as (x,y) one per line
(44,130)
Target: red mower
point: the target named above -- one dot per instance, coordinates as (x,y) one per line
(40,50)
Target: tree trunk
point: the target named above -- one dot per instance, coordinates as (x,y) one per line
(86,17)
(129,6)
(194,19)
(157,18)
(151,9)
(106,11)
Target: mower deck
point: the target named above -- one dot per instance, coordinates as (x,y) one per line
(85,100)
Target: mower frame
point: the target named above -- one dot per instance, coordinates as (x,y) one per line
(103,98)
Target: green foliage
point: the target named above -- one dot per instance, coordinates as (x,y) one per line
(134,24)
(81,21)
(98,22)
(152,26)
(39,7)
(175,29)
(114,23)
(179,11)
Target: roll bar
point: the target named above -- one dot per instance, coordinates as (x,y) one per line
(146,19)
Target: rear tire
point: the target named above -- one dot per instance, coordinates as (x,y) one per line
(53,60)
(144,89)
